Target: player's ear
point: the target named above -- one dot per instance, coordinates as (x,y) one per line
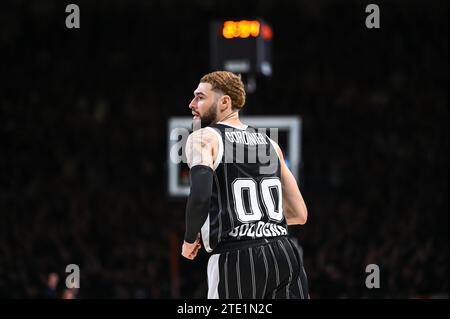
(225,101)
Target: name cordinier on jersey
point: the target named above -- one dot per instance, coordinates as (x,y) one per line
(247,138)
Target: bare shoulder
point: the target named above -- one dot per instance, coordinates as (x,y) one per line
(200,147)
(203,135)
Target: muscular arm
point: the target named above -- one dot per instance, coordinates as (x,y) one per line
(294,206)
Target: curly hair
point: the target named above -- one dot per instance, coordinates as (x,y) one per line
(227,83)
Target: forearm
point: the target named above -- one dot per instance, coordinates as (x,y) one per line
(197,207)
(295,211)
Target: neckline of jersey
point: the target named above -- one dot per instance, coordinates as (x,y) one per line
(233,126)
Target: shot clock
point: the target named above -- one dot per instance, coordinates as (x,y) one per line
(242,46)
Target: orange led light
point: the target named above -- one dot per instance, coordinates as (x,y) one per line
(241,29)
(267,32)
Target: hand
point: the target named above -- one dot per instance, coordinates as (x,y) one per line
(190,251)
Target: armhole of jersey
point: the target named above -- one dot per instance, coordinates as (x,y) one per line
(273,144)
(218,159)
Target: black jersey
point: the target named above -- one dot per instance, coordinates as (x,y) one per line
(246,202)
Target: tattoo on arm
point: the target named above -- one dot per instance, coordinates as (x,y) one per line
(199,148)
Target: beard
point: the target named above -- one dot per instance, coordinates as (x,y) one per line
(210,116)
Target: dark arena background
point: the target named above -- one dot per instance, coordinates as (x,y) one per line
(84,142)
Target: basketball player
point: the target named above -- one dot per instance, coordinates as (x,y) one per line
(240,206)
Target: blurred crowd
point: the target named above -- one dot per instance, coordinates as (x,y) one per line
(83,145)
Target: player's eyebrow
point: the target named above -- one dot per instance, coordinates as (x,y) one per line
(197,93)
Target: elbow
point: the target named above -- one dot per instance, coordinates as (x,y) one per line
(296,215)
(200,201)
(303,220)
(300,219)
(304,217)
